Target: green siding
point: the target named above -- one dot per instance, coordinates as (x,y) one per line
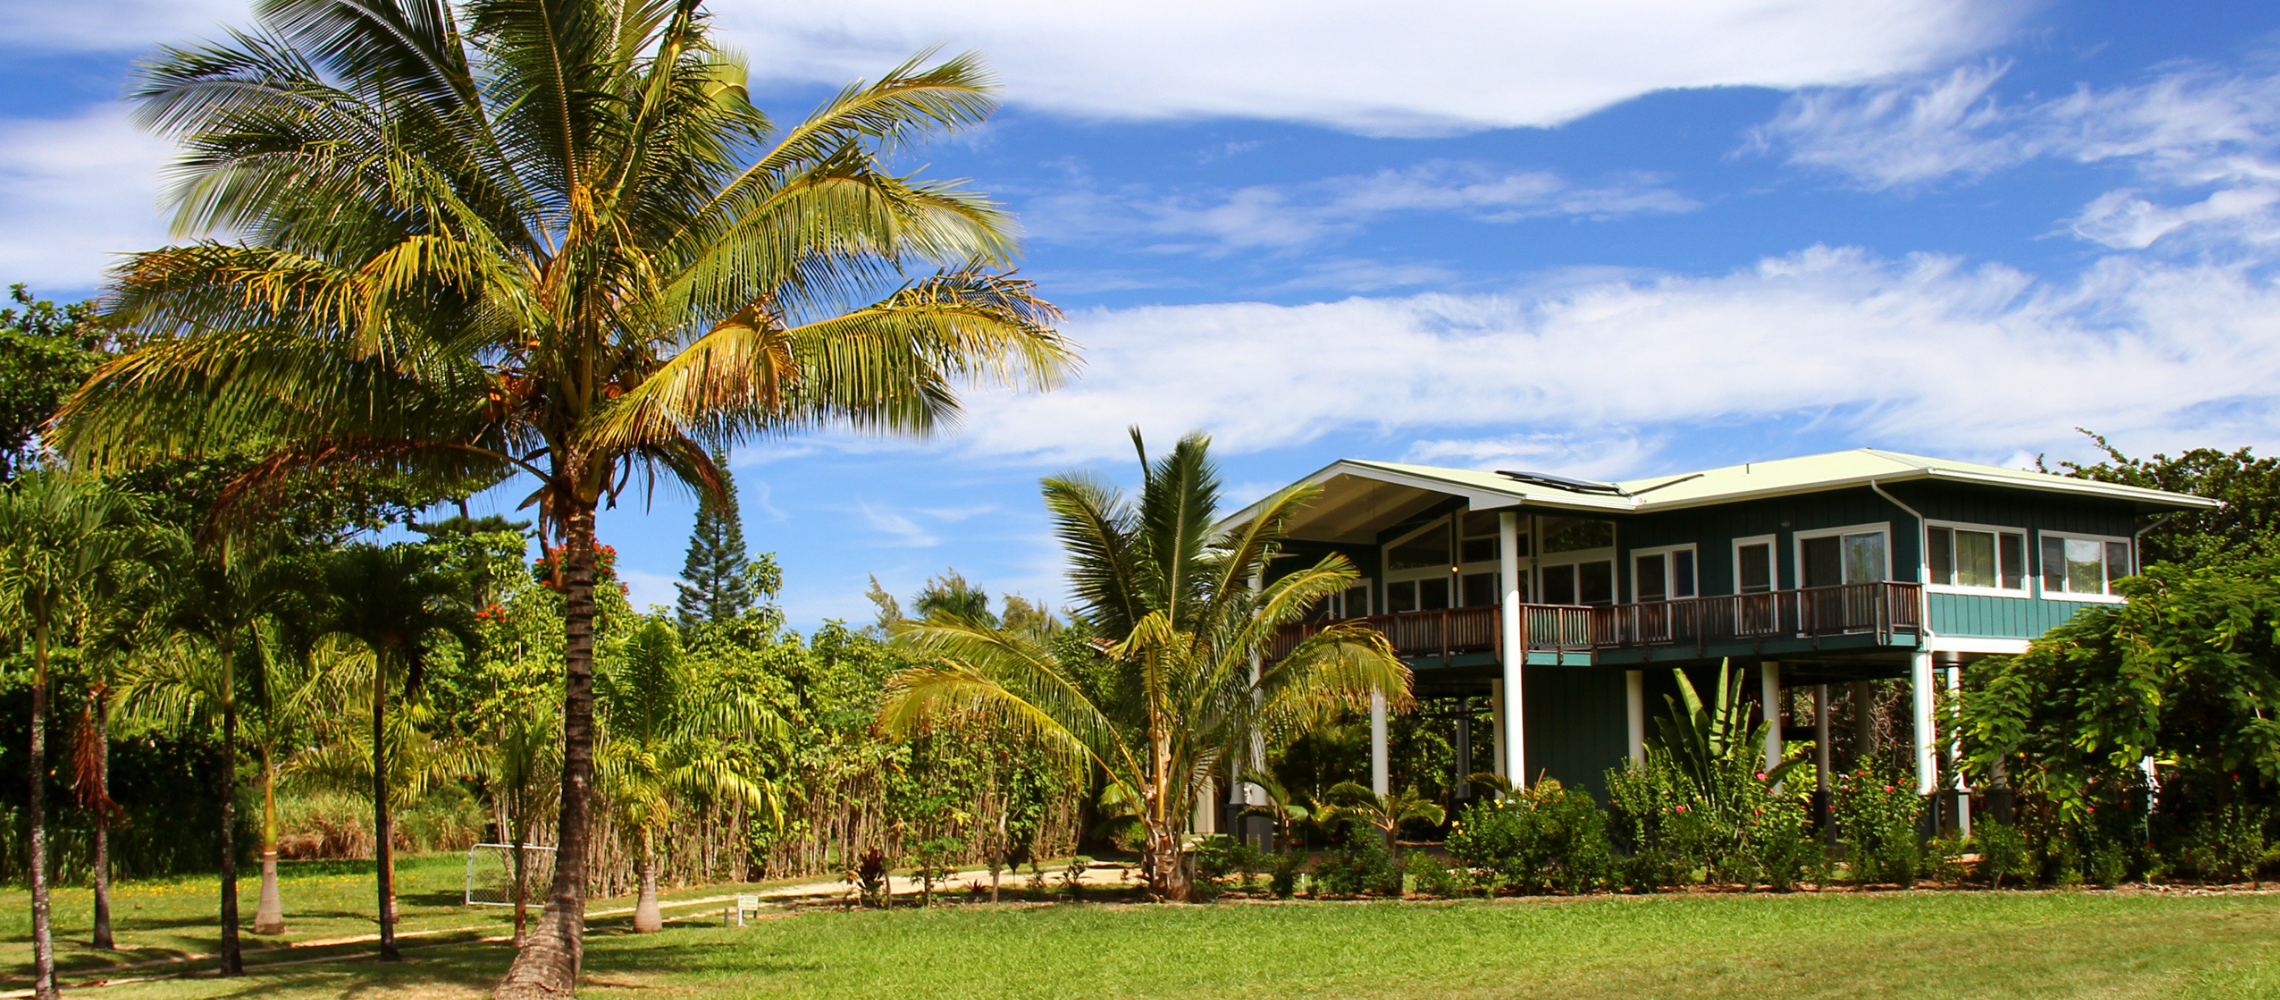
(1575,725)
(1984,616)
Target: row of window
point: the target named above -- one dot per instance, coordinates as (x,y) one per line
(1453,563)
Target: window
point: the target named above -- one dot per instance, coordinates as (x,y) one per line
(1426,549)
(1662,574)
(1579,583)
(1567,534)
(1479,589)
(2083,565)
(1838,556)
(1973,556)
(1353,602)
(1753,565)
(1479,542)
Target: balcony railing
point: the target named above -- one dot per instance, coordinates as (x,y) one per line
(1885,608)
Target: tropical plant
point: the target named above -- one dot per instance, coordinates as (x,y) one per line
(1705,741)
(398,601)
(1171,596)
(1388,813)
(1288,809)
(546,238)
(1544,837)
(64,540)
(668,742)
(112,630)
(1876,807)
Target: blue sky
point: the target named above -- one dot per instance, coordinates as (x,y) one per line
(1604,239)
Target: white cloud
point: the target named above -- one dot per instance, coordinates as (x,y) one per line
(645,590)
(2206,143)
(1291,216)
(903,530)
(1916,352)
(1371,67)
(74,193)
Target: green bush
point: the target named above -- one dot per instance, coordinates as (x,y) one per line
(1783,844)
(2228,846)
(1429,874)
(1282,878)
(1360,864)
(2003,852)
(1547,838)
(1876,809)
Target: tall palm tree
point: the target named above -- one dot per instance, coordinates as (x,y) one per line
(112,632)
(667,743)
(398,601)
(64,539)
(550,237)
(1171,593)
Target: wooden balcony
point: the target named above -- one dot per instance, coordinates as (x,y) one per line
(1886,608)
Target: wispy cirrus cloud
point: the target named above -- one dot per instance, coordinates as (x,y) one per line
(2200,145)
(1282,217)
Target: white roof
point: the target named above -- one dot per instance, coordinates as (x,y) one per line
(1351,483)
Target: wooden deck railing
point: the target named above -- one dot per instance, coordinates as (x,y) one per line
(1885,608)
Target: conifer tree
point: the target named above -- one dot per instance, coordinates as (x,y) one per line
(717,582)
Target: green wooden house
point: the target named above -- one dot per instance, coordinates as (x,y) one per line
(1566,602)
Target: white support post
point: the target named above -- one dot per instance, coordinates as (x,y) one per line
(1378,776)
(1821,740)
(1496,728)
(1515,700)
(1769,701)
(1920,691)
(1206,809)
(1955,761)
(1635,712)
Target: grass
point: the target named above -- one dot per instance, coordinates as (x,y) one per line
(1851,945)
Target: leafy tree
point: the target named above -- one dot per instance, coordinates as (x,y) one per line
(1171,594)
(2247,526)
(718,581)
(50,350)
(668,735)
(545,238)
(64,539)
(2187,672)
(950,595)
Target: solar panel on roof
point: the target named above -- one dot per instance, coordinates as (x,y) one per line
(1562,482)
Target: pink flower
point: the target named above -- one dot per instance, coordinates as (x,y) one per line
(1888,788)
(1681,808)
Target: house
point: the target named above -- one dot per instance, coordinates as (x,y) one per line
(1566,601)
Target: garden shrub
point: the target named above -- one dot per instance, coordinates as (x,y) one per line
(2002,851)
(1429,874)
(1783,845)
(1547,838)
(1943,860)
(1876,808)
(1282,878)
(1360,864)
(2227,846)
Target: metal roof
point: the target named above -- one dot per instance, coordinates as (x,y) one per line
(1360,494)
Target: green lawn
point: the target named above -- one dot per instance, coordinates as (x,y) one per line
(1926,944)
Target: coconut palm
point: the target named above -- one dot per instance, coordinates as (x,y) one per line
(398,601)
(551,238)
(64,539)
(1172,596)
(669,742)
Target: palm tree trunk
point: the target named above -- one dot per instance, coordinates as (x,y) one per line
(647,918)
(102,936)
(233,960)
(547,964)
(269,916)
(383,851)
(43,939)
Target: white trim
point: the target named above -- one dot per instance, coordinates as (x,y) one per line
(1772,545)
(2026,541)
(1963,644)
(2068,595)
(1666,550)
(1797,541)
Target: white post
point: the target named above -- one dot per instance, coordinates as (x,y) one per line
(1515,726)
(1635,712)
(1920,692)
(1496,727)
(1206,809)
(1955,761)
(1378,777)
(1769,699)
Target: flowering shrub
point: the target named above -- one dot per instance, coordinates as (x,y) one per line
(1876,809)
(1546,838)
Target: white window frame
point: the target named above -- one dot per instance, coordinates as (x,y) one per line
(1772,545)
(2031,579)
(2070,596)
(1665,551)
(1798,539)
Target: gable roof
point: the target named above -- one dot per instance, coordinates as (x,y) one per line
(1358,491)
